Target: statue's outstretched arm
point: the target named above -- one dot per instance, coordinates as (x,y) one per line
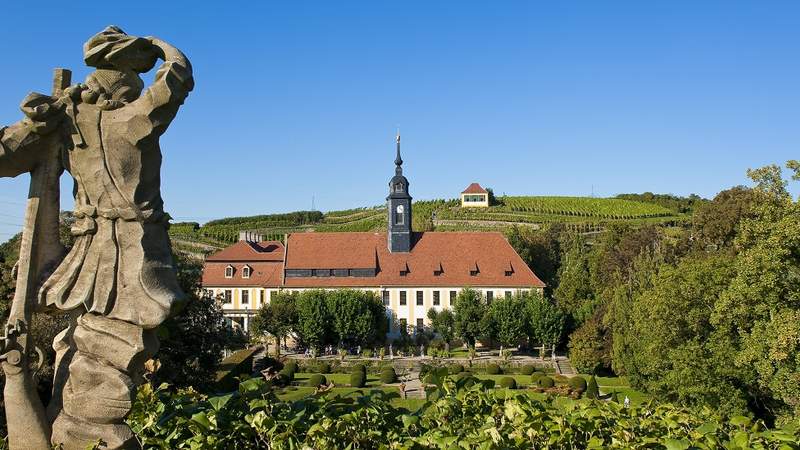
(172,85)
(21,144)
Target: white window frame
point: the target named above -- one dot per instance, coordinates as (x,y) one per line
(229,269)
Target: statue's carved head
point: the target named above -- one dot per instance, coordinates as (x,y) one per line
(119,59)
(117,85)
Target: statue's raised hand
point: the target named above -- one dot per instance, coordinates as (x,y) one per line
(43,112)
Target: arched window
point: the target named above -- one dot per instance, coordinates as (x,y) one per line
(246,272)
(229,272)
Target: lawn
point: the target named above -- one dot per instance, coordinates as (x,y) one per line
(620,386)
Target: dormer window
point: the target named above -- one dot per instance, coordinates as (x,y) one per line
(398,187)
(405,270)
(229,272)
(246,272)
(509,270)
(438,271)
(474,271)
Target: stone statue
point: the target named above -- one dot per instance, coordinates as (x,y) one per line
(118,281)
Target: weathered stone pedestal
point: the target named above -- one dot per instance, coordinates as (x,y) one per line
(99,363)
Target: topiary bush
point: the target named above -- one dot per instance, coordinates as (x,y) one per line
(508,383)
(455,369)
(592,390)
(286,377)
(545,382)
(359,368)
(577,384)
(358,379)
(527,369)
(316,380)
(535,376)
(388,375)
(493,369)
(290,366)
(323,367)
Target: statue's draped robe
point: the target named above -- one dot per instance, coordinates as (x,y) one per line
(120,265)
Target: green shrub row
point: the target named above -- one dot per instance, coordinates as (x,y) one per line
(254,417)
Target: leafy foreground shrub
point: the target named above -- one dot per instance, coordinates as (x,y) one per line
(316,380)
(493,369)
(253,417)
(358,379)
(508,383)
(577,384)
(455,369)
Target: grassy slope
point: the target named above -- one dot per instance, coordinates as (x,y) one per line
(580,213)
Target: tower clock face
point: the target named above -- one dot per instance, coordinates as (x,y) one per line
(400,209)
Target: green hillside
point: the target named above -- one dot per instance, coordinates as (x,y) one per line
(579,213)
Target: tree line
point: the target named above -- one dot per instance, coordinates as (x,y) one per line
(349,318)
(707,314)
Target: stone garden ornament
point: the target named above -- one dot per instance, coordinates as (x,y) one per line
(117,282)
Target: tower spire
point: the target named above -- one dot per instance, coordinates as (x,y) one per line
(398,161)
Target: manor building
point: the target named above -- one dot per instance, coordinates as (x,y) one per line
(411,272)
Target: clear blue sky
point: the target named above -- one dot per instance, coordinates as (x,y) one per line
(295,99)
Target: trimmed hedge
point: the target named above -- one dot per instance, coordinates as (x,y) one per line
(388,375)
(323,367)
(577,384)
(291,366)
(508,383)
(286,376)
(592,391)
(560,379)
(493,369)
(358,379)
(454,369)
(359,368)
(468,376)
(239,363)
(527,369)
(316,380)
(545,382)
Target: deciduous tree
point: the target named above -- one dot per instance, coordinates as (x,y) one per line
(468,310)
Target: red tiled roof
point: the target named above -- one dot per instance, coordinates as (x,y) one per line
(250,251)
(474,188)
(456,253)
(263,274)
(329,251)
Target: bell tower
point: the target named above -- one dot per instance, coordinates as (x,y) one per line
(398,204)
